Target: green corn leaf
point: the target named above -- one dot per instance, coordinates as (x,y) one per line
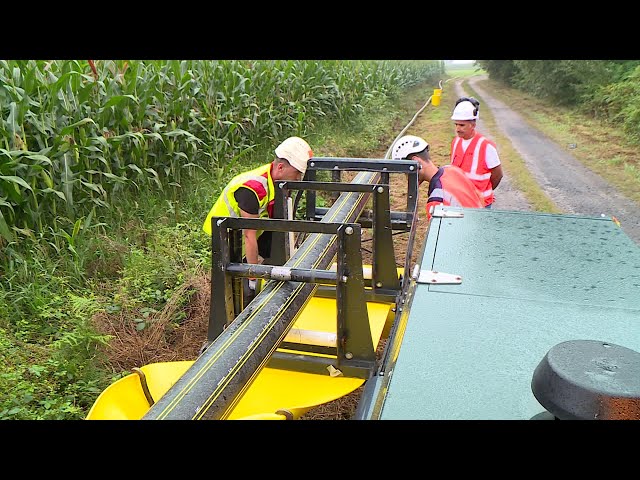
(67,130)
(57,192)
(190,164)
(4,203)
(155,177)
(115,100)
(155,135)
(4,229)
(133,166)
(117,178)
(101,140)
(76,229)
(17,76)
(100,203)
(67,183)
(11,120)
(87,221)
(92,148)
(95,187)
(178,132)
(40,158)
(17,180)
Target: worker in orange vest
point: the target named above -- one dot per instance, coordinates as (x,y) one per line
(448,185)
(473,152)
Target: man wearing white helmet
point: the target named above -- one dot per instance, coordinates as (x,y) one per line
(252,195)
(448,185)
(474,153)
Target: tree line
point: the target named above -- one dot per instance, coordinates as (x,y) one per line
(607,89)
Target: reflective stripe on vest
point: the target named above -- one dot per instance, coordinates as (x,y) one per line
(259,181)
(473,162)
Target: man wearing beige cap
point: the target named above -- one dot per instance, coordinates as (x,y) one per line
(252,195)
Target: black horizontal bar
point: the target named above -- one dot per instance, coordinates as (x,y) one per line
(280,225)
(363,164)
(368,214)
(329,186)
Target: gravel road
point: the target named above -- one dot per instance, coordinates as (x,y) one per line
(573,187)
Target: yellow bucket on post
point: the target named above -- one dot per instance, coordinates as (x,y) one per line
(435,99)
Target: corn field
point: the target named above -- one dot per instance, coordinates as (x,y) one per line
(75,135)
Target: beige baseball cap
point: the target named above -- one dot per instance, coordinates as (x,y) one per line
(296,151)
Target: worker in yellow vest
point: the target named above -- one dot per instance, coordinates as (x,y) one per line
(251,195)
(473,152)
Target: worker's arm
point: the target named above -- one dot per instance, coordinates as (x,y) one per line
(250,240)
(248,205)
(496,176)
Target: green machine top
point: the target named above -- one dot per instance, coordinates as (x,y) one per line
(496,291)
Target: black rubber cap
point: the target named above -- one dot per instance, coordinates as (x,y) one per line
(589,380)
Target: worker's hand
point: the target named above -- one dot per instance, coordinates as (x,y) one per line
(252,284)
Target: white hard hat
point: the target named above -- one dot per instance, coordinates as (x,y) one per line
(296,151)
(407,145)
(465,111)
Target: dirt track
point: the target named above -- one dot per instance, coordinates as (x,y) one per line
(572,186)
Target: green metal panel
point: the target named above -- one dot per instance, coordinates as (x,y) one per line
(586,260)
(529,282)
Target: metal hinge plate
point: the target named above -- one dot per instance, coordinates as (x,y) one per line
(444,213)
(441,278)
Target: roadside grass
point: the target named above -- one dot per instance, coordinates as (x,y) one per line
(434,124)
(601,147)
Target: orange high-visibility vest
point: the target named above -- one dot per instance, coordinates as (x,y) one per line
(451,187)
(473,162)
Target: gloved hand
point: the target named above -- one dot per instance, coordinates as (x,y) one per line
(252,284)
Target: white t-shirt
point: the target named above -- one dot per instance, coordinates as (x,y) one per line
(493,160)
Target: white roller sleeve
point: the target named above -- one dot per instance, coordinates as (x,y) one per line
(367,270)
(311,337)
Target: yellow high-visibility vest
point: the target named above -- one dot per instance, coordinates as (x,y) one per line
(259,181)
